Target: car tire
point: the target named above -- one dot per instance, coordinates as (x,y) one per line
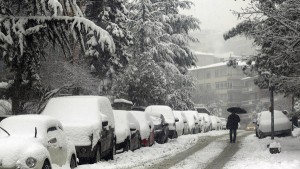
(112,152)
(260,135)
(46,164)
(97,155)
(127,146)
(73,163)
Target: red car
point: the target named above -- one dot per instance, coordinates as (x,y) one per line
(146,127)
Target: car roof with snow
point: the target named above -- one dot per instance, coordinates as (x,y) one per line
(72,109)
(26,124)
(166,111)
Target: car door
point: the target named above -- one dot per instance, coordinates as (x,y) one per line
(57,145)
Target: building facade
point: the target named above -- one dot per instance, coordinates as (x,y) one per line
(229,85)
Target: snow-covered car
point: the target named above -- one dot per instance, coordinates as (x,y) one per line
(146,127)
(215,124)
(219,123)
(180,124)
(223,123)
(282,124)
(168,114)
(34,141)
(88,122)
(127,131)
(161,129)
(206,122)
(192,121)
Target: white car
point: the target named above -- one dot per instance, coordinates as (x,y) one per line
(180,124)
(215,123)
(206,122)
(127,131)
(192,121)
(36,142)
(88,122)
(146,127)
(223,123)
(282,124)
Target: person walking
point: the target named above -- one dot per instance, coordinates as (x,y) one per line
(232,124)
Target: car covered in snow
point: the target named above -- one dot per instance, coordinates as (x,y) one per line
(146,127)
(34,141)
(223,123)
(206,122)
(161,129)
(127,131)
(215,122)
(193,121)
(282,124)
(180,124)
(169,117)
(88,122)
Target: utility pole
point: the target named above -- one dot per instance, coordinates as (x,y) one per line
(272,110)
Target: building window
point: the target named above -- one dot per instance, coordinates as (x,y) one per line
(208,86)
(208,75)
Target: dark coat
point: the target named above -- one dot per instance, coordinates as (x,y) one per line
(233,121)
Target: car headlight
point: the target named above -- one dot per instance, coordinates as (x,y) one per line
(31,162)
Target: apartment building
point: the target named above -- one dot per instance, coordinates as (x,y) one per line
(229,84)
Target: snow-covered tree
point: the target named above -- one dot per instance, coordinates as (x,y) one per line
(28,27)
(111,15)
(161,34)
(273,24)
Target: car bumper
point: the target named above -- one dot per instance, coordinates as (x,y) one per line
(277,132)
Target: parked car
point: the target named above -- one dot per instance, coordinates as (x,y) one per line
(34,141)
(88,122)
(146,127)
(192,122)
(168,114)
(161,129)
(282,124)
(214,122)
(180,124)
(219,122)
(250,127)
(206,122)
(223,123)
(127,131)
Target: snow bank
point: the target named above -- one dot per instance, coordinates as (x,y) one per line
(255,154)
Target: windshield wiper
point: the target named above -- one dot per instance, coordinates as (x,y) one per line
(5,131)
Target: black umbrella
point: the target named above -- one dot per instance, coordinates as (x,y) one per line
(236,110)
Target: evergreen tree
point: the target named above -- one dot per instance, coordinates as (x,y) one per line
(273,26)
(111,15)
(26,30)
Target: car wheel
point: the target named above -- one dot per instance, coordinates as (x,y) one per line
(97,155)
(127,146)
(46,165)
(73,163)
(260,135)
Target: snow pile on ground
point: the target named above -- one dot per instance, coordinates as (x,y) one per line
(151,155)
(255,154)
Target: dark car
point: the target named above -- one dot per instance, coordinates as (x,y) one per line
(88,122)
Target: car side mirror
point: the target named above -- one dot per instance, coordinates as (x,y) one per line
(196,123)
(52,141)
(104,123)
(132,129)
(176,119)
(132,126)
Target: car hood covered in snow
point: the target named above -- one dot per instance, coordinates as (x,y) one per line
(15,150)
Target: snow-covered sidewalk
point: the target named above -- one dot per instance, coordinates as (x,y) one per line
(255,154)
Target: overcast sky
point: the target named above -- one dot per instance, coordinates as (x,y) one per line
(216,14)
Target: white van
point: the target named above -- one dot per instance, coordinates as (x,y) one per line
(88,122)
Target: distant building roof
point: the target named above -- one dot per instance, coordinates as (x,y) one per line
(215,65)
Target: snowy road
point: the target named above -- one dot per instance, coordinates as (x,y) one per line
(188,151)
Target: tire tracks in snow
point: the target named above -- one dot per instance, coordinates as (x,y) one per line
(229,151)
(171,161)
